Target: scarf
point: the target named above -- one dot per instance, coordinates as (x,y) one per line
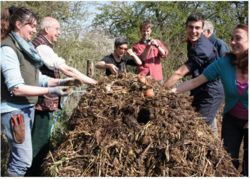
(41,40)
(28,49)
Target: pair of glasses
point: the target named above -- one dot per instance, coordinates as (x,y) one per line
(121,48)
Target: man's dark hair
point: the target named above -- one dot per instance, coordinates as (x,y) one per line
(120,41)
(195,17)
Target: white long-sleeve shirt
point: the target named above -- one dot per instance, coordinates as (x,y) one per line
(49,57)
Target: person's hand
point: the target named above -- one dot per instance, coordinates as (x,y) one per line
(154,43)
(173,90)
(70,82)
(112,68)
(60,90)
(131,52)
(87,80)
(149,80)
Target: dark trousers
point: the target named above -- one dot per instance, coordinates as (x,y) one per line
(207,102)
(233,132)
(40,140)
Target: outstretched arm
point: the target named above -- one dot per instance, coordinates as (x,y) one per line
(103,65)
(72,72)
(178,74)
(28,90)
(190,84)
(53,61)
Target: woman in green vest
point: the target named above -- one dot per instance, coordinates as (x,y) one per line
(21,83)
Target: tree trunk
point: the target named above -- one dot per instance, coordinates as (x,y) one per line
(90,69)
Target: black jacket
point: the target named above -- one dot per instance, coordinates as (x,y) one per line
(200,55)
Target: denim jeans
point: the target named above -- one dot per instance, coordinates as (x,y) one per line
(20,158)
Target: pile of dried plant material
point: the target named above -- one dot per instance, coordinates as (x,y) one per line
(117,131)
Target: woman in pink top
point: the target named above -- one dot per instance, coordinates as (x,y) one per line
(233,72)
(150,51)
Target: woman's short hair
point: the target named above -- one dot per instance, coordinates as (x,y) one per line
(120,41)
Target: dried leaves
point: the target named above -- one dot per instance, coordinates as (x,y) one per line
(116,131)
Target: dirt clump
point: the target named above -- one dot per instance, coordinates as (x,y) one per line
(116,131)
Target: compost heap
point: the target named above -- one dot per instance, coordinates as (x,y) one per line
(117,131)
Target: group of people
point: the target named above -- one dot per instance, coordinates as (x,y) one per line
(218,74)
(217,78)
(31,83)
(146,54)
(31,86)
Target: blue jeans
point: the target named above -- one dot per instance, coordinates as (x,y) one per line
(20,154)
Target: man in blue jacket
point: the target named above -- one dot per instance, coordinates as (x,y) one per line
(219,44)
(201,52)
